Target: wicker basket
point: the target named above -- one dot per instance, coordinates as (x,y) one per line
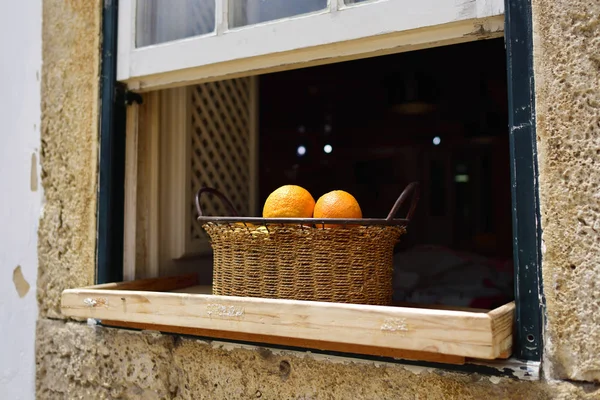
(299,259)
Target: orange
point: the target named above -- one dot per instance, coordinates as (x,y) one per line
(337,204)
(289,201)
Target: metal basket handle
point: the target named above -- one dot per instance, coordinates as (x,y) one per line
(221,197)
(412,188)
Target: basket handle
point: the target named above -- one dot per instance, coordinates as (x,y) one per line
(411,189)
(221,197)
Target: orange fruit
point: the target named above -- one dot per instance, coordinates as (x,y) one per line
(289,201)
(337,204)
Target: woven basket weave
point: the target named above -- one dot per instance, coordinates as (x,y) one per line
(296,259)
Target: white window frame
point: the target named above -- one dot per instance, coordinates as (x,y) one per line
(340,32)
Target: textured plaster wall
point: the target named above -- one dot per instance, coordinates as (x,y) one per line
(567,73)
(78,361)
(67,232)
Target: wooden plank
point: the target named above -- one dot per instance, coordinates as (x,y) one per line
(293,342)
(506,309)
(206,289)
(440,307)
(163,284)
(197,289)
(458,333)
(147,190)
(131,195)
(502,320)
(502,323)
(174,175)
(154,185)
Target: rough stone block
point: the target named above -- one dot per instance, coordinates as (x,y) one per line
(92,362)
(69,151)
(567,79)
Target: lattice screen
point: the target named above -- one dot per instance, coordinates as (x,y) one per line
(221,146)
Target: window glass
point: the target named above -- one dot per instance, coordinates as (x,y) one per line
(248,12)
(159,21)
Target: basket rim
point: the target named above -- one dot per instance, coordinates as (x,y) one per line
(303,221)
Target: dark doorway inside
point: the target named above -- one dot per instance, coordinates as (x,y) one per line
(371,126)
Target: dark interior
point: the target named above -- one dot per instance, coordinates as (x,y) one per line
(371,126)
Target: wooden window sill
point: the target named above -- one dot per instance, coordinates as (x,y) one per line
(179,305)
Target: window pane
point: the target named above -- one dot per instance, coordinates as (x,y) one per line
(248,12)
(159,21)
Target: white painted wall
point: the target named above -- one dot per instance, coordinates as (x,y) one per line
(20,200)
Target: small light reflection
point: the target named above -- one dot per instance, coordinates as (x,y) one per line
(462,178)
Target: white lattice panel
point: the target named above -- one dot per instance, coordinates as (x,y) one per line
(222,147)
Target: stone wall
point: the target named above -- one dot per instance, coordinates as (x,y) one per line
(567,79)
(90,362)
(69,153)
(78,361)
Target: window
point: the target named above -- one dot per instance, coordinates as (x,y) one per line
(195,65)
(273,35)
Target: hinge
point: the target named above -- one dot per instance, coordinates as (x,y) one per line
(132,97)
(125,97)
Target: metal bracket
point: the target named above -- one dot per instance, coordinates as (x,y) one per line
(133,97)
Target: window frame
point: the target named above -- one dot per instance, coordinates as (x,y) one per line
(526,217)
(308,39)
(529,299)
